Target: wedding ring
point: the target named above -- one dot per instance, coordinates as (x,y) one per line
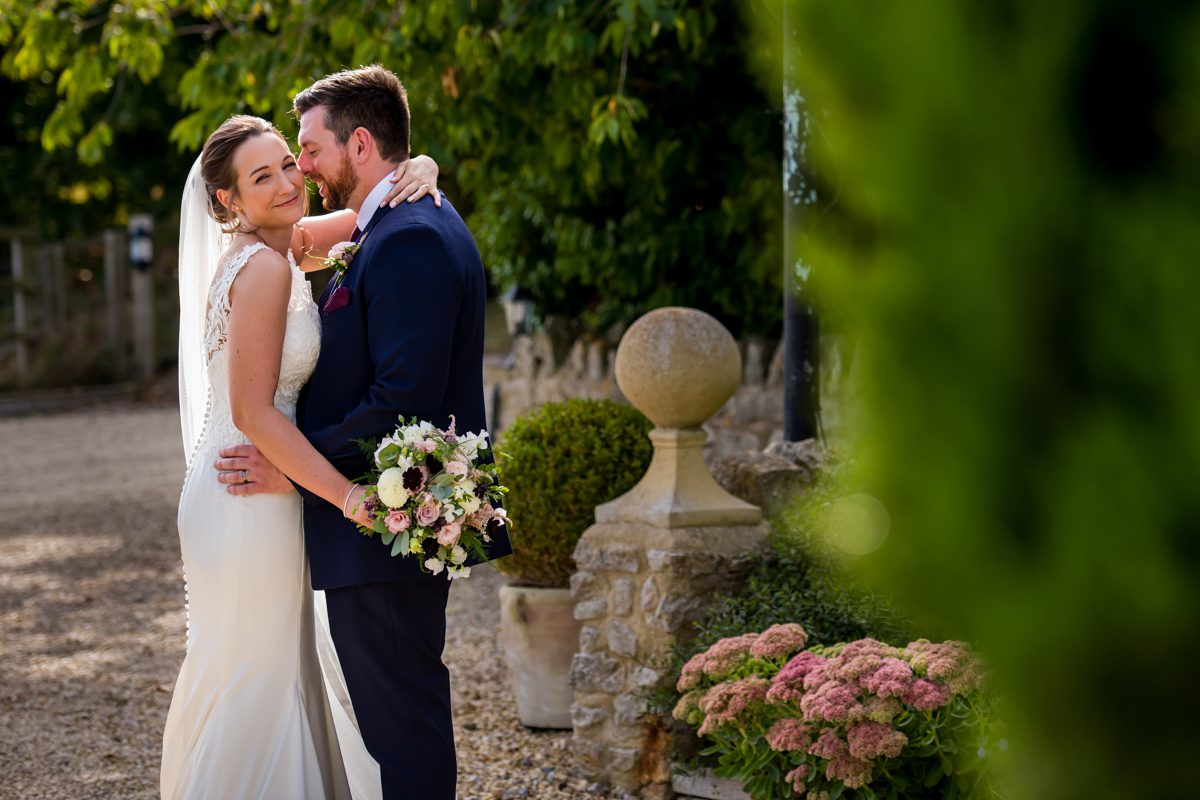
(244,480)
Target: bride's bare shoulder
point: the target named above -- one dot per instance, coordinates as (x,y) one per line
(264,270)
(264,257)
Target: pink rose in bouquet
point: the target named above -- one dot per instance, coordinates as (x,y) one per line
(428,511)
(397,521)
(449,534)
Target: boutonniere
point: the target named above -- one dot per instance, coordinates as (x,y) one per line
(341,256)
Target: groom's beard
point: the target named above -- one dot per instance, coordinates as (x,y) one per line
(339,187)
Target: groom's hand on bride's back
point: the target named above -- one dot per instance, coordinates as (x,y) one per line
(245,471)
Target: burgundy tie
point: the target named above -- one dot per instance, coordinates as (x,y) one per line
(357,233)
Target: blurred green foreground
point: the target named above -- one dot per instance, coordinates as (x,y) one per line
(1009,233)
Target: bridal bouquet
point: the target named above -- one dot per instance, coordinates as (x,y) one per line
(430,498)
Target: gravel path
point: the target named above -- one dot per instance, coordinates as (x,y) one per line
(92,625)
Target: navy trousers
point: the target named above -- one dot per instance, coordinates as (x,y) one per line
(389,638)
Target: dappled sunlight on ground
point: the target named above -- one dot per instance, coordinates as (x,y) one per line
(92,622)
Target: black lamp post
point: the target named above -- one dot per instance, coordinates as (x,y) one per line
(801,398)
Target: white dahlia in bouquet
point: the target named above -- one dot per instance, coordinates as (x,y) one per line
(429,496)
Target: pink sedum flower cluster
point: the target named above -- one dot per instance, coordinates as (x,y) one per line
(854,772)
(717,661)
(925,695)
(951,663)
(779,641)
(789,683)
(688,708)
(832,701)
(797,778)
(836,708)
(725,702)
(874,740)
(789,734)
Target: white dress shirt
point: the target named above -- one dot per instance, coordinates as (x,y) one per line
(371,204)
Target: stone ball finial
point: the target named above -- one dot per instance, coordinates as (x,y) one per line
(678,366)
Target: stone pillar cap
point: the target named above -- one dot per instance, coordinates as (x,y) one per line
(678,366)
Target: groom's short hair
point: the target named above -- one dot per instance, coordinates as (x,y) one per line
(369,97)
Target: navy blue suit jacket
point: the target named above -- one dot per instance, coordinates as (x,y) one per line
(409,342)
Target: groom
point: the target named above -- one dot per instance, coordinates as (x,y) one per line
(402,333)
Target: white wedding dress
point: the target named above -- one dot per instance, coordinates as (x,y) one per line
(250,716)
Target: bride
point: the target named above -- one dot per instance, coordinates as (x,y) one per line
(250,716)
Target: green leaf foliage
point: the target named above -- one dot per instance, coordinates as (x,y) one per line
(801,579)
(1019,182)
(814,590)
(561,462)
(798,580)
(610,157)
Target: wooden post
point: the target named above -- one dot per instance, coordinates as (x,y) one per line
(142,282)
(141,274)
(20,321)
(114,290)
(46,291)
(58,271)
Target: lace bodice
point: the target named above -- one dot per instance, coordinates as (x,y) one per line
(301,346)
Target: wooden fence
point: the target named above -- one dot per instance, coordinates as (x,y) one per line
(79,312)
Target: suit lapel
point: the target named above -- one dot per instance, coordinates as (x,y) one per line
(379,214)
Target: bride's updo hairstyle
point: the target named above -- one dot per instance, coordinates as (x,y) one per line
(216,164)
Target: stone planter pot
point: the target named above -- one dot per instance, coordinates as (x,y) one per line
(704,785)
(539,634)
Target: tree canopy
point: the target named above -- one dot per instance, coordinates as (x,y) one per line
(611,155)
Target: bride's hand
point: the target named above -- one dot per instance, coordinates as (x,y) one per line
(354,504)
(413,180)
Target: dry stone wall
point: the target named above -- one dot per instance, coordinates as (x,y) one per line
(749,421)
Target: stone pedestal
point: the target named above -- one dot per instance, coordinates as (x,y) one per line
(638,590)
(655,557)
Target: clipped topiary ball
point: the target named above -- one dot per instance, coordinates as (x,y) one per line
(564,460)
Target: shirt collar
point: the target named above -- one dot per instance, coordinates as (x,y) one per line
(371,204)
